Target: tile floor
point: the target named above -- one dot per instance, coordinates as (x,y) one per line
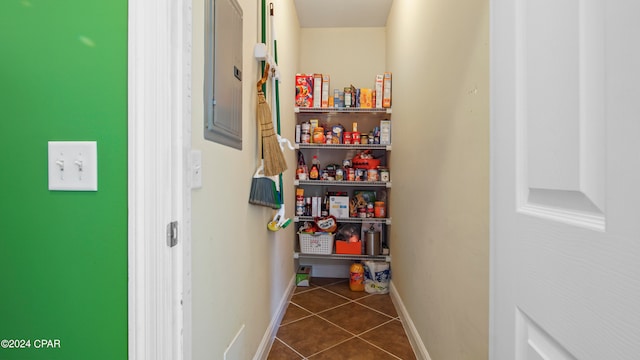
(328,321)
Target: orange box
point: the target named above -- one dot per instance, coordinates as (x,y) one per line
(345,247)
(366,98)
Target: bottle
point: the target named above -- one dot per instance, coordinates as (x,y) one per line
(301,171)
(314,173)
(356,277)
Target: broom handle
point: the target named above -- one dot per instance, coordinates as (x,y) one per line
(277,89)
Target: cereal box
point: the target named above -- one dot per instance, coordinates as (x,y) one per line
(304,90)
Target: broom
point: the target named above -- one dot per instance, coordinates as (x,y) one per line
(274,162)
(263,189)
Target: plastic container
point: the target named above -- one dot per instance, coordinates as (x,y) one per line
(356,277)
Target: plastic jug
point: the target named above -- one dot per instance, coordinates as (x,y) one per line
(356,277)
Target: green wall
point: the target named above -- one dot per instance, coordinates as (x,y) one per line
(63,255)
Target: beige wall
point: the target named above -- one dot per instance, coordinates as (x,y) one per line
(240,270)
(439,53)
(349,55)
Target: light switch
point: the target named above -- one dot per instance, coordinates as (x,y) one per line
(73,165)
(196,169)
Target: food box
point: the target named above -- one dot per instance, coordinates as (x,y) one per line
(378,90)
(386,90)
(317,90)
(304,90)
(346,247)
(366,98)
(325,99)
(303,275)
(385,132)
(339,206)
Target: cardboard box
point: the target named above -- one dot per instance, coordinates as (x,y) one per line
(304,90)
(378,90)
(303,275)
(345,247)
(325,91)
(385,132)
(386,90)
(339,206)
(366,98)
(317,90)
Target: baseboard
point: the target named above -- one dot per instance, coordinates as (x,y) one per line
(412,333)
(265,345)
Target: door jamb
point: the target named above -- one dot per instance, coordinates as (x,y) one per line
(159,130)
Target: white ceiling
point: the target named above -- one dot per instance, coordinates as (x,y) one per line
(342,13)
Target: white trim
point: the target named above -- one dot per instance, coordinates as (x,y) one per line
(158,77)
(267,340)
(412,333)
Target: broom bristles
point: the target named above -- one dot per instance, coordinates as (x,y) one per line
(274,161)
(263,192)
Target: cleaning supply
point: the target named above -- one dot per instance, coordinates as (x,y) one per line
(274,162)
(263,190)
(356,277)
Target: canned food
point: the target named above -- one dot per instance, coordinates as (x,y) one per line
(347,136)
(355,137)
(384,174)
(305,138)
(372,175)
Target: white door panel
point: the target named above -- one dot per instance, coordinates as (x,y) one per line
(565,179)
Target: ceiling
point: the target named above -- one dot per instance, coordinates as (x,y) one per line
(342,13)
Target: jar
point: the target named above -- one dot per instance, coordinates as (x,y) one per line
(318,135)
(364,139)
(380,209)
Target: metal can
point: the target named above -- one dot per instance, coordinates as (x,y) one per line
(355,137)
(372,175)
(384,174)
(339,174)
(347,136)
(351,174)
(305,138)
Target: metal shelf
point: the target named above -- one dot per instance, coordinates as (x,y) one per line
(354,220)
(386,147)
(299,255)
(329,110)
(386,184)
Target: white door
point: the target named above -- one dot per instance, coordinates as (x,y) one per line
(565,190)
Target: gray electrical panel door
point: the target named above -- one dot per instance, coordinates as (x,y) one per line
(223,73)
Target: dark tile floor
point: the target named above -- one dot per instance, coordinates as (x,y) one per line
(328,321)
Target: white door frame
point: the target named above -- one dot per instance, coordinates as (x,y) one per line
(159,139)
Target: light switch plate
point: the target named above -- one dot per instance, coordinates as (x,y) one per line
(196,169)
(73,165)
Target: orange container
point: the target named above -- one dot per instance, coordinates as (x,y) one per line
(356,277)
(346,247)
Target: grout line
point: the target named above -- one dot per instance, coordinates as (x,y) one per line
(287,345)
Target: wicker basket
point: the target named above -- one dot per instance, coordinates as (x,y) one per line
(316,243)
